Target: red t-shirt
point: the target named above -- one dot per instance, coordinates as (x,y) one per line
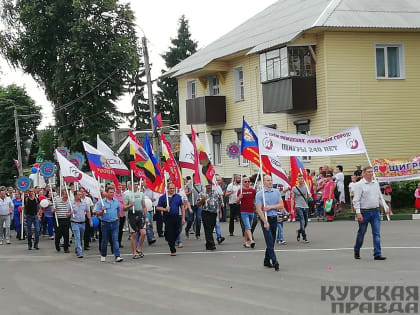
(247,202)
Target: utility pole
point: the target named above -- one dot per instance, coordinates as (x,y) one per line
(20,170)
(155,140)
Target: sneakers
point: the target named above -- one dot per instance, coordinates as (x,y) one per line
(136,256)
(294,220)
(103,259)
(1,242)
(282,242)
(8,242)
(118,259)
(173,254)
(220,240)
(306,241)
(180,245)
(246,245)
(252,244)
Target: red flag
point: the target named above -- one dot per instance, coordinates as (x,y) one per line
(197,178)
(170,164)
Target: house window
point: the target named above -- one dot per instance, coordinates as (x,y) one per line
(214,86)
(286,61)
(303,127)
(242,161)
(389,61)
(191,89)
(217,147)
(238,76)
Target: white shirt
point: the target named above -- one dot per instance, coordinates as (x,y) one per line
(5,205)
(366,195)
(234,195)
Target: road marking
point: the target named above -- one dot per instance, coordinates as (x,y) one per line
(302,250)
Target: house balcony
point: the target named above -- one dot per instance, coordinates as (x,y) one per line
(206,110)
(290,95)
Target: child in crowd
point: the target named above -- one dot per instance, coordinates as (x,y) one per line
(319,206)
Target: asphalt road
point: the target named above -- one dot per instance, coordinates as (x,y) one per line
(231,280)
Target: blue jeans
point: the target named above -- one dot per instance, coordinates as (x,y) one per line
(280,232)
(374,217)
(110,231)
(269,237)
(32,219)
(247,219)
(303,220)
(79,232)
(218,230)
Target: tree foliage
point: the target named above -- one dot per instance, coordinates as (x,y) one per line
(83,59)
(29,117)
(181,48)
(47,143)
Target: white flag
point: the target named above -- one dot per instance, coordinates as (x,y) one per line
(186,153)
(71,173)
(113,160)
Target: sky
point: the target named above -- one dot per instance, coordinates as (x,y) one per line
(158,18)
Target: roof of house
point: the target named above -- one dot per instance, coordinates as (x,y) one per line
(285,20)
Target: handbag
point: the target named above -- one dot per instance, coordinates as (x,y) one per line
(328,205)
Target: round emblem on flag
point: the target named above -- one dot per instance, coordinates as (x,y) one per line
(23,183)
(352,144)
(233,150)
(47,169)
(64,151)
(268,143)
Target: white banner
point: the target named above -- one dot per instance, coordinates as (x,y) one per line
(274,142)
(72,174)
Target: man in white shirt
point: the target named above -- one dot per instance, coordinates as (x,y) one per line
(234,208)
(367,197)
(6,208)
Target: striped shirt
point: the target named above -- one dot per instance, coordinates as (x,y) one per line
(62,207)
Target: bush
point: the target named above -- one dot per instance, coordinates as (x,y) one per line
(403,194)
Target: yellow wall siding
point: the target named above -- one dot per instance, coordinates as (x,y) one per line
(387,111)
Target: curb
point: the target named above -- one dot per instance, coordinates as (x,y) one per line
(395,217)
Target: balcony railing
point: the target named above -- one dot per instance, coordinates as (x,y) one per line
(290,95)
(206,110)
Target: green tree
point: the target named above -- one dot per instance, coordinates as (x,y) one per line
(183,46)
(47,143)
(82,58)
(29,117)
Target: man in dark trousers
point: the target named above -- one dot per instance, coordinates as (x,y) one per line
(211,203)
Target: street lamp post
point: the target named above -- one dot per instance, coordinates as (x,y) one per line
(148,75)
(20,169)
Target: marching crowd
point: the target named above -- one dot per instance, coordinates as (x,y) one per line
(60,214)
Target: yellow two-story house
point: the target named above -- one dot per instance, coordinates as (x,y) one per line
(314,67)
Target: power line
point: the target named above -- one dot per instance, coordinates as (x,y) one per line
(85,94)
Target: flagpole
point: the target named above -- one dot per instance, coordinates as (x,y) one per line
(22,215)
(263,189)
(166,189)
(132,188)
(53,201)
(256,179)
(99,189)
(382,197)
(67,192)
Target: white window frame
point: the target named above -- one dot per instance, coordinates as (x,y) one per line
(401,55)
(191,92)
(239,84)
(212,87)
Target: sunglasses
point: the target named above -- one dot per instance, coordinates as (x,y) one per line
(246,181)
